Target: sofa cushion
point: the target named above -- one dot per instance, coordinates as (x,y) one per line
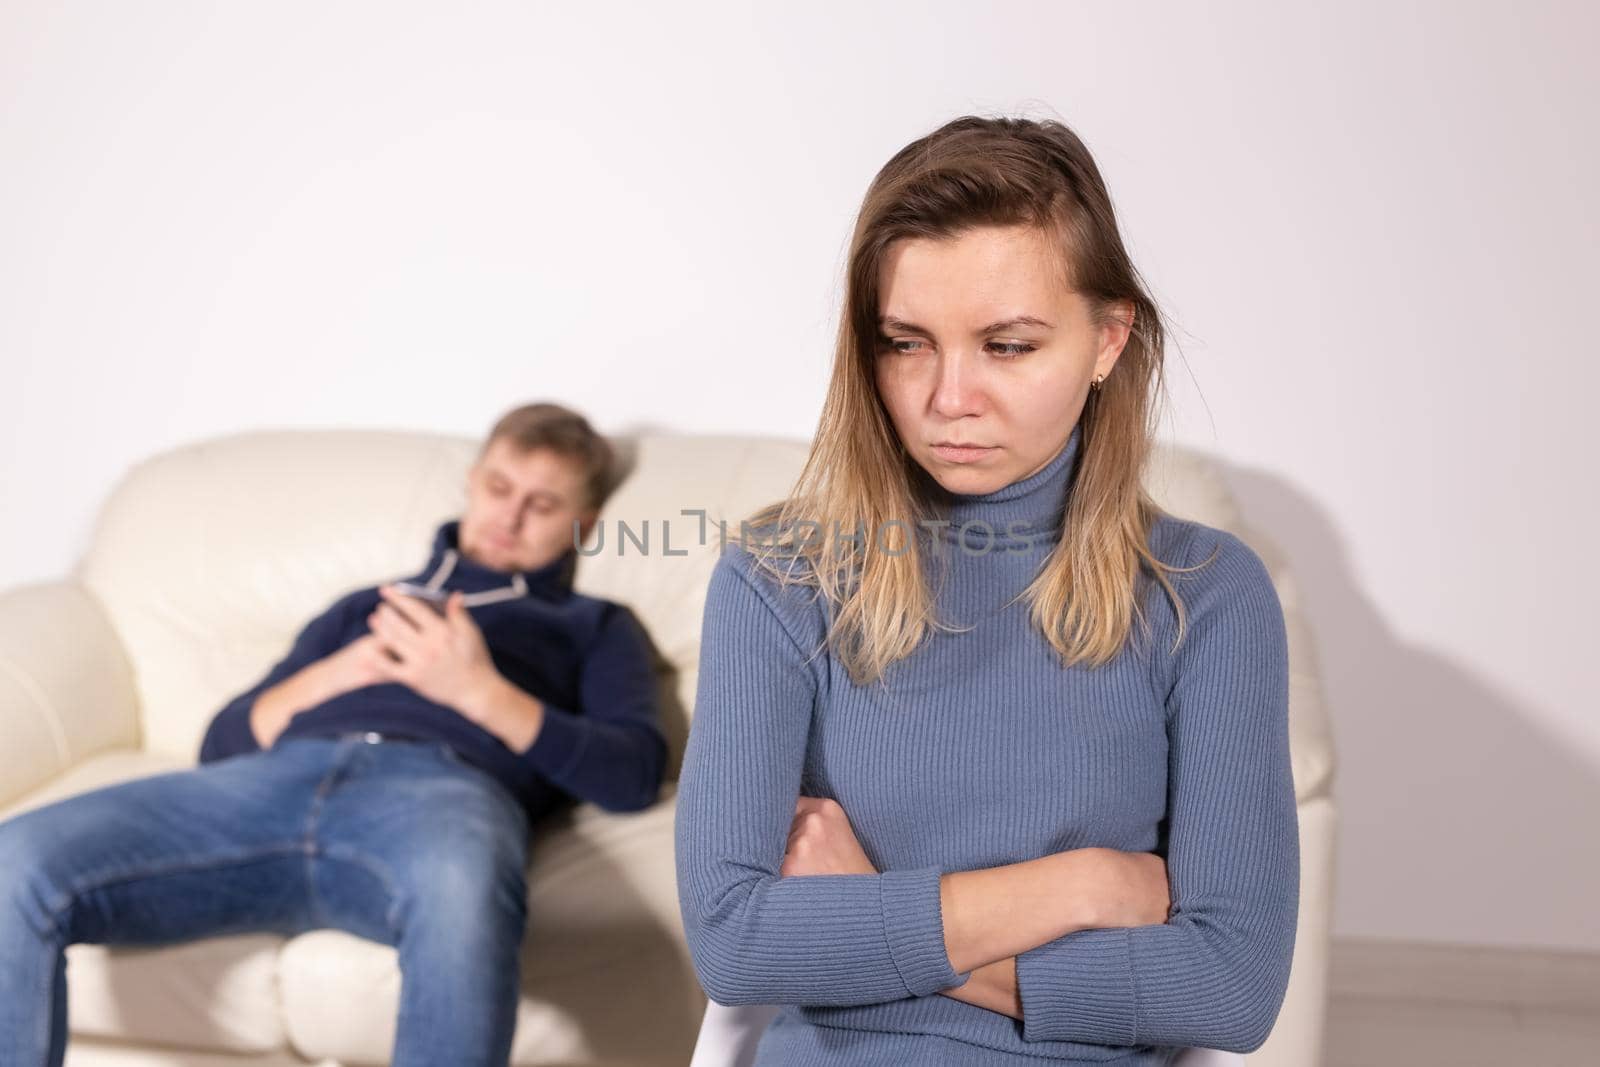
(86,1052)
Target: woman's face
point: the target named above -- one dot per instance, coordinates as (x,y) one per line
(986,356)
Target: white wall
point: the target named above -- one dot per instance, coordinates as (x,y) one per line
(1373,222)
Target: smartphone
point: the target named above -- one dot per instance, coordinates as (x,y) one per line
(434,598)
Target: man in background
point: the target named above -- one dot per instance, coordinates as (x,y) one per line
(382,778)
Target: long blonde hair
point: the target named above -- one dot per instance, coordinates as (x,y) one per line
(858,478)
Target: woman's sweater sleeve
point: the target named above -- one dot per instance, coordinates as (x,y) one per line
(1214,975)
(756,938)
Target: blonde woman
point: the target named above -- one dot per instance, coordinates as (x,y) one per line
(990,757)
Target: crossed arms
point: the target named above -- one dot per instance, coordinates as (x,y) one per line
(1060,930)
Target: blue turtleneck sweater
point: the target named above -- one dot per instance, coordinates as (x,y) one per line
(981,750)
(587,660)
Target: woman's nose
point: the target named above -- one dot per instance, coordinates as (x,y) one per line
(956,390)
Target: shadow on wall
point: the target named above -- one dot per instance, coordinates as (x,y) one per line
(1463,818)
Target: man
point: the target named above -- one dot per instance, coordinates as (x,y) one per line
(381,779)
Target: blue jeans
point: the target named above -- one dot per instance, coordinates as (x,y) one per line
(397,842)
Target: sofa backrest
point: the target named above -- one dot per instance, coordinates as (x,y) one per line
(209,558)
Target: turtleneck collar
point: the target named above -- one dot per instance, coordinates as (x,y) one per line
(449,569)
(1028,510)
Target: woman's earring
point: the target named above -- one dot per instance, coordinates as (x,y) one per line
(1094,386)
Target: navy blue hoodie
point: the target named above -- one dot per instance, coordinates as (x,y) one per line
(586,659)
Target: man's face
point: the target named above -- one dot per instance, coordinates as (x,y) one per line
(521,507)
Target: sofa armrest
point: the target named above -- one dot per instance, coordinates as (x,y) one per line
(1311,742)
(66,688)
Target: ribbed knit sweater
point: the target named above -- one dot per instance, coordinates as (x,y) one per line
(980,750)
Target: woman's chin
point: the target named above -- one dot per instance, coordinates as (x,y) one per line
(968,481)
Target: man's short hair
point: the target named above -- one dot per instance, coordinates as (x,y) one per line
(565,432)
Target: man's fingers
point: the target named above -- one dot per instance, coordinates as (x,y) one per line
(372,652)
(397,637)
(414,611)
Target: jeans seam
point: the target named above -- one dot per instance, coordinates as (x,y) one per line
(47,1022)
(308,844)
(379,871)
(84,886)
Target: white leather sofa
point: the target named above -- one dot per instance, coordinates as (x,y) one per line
(204,563)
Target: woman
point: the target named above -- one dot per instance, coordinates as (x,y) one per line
(990,757)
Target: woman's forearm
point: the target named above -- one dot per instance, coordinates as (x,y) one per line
(999,912)
(992,986)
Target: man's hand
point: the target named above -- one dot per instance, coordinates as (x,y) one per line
(357,665)
(822,842)
(443,658)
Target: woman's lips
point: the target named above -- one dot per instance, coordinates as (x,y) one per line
(962,453)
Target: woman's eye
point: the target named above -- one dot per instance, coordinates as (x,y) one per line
(1003,349)
(893,345)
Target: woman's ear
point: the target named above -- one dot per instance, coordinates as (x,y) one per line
(1116,327)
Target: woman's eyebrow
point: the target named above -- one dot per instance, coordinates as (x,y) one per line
(889,322)
(1020,320)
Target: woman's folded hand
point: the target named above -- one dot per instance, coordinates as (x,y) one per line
(1119,888)
(822,842)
